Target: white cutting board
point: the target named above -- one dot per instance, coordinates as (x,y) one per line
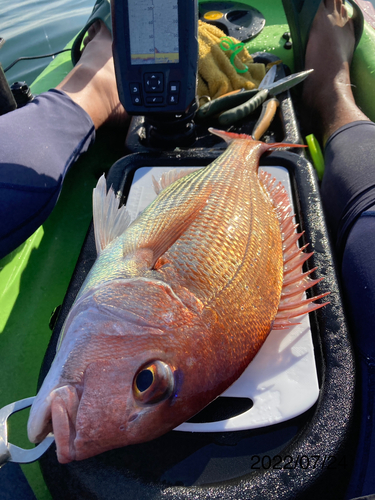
(281,380)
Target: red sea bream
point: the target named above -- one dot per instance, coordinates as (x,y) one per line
(175,307)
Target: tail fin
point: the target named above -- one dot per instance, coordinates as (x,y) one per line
(231,136)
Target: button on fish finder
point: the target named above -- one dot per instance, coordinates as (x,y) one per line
(153,82)
(135,88)
(136,100)
(135,92)
(154,100)
(173,99)
(173,92)
(174,87)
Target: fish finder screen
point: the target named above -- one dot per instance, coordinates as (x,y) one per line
(153,31)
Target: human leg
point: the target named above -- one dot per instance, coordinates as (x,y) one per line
(332,114)
(348,194)
(37,151)
(42,140)
(92,83)
(358,280)
(327,93)
(348,186)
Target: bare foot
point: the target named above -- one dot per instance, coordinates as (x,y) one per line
(92,82)
(327,99)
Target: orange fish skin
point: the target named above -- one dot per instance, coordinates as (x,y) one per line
(192,288)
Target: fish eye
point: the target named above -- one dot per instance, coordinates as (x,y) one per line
(144,379)
(153,382)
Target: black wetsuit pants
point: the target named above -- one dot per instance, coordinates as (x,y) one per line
(348,194)
(38,144)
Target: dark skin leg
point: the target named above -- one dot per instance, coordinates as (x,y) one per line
(327,100)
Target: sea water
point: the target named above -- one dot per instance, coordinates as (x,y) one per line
(37,27)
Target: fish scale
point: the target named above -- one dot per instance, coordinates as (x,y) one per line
(227,264)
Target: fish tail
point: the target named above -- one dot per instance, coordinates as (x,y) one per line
(231,136)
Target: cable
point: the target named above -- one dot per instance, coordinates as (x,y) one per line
(28,58)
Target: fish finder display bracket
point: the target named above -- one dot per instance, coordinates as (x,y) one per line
(155,48)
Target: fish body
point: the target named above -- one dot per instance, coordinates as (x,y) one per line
(173,310)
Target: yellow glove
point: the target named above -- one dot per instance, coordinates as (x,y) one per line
(216,74)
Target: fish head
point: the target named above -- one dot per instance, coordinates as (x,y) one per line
(117,377)
(120,403)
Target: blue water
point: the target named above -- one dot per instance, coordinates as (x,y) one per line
(36,27)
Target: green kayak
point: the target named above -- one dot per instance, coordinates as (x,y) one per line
(34,277)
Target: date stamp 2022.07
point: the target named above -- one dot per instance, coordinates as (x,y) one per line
(278,462)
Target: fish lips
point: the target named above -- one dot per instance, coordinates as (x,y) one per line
(107,410)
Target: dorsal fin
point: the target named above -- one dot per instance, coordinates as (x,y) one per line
(168,178)
(110,221)
(293,301)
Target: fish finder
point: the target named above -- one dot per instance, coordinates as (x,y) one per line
(155,49)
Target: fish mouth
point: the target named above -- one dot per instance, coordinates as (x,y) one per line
(57,413)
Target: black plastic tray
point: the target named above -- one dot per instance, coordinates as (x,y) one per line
(306,457)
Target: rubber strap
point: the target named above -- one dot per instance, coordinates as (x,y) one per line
(102,11)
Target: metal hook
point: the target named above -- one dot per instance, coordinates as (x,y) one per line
(12,453)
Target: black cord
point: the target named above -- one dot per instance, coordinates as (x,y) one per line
(28,58)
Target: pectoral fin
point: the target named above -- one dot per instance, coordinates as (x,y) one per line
(159,233)
(168,217)
(110,221)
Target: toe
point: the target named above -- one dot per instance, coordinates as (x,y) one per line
(92,32)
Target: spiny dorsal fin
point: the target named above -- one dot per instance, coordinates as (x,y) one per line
(168,178)
(293,302)
(110,221)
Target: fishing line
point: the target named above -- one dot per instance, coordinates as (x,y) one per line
(29,58)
